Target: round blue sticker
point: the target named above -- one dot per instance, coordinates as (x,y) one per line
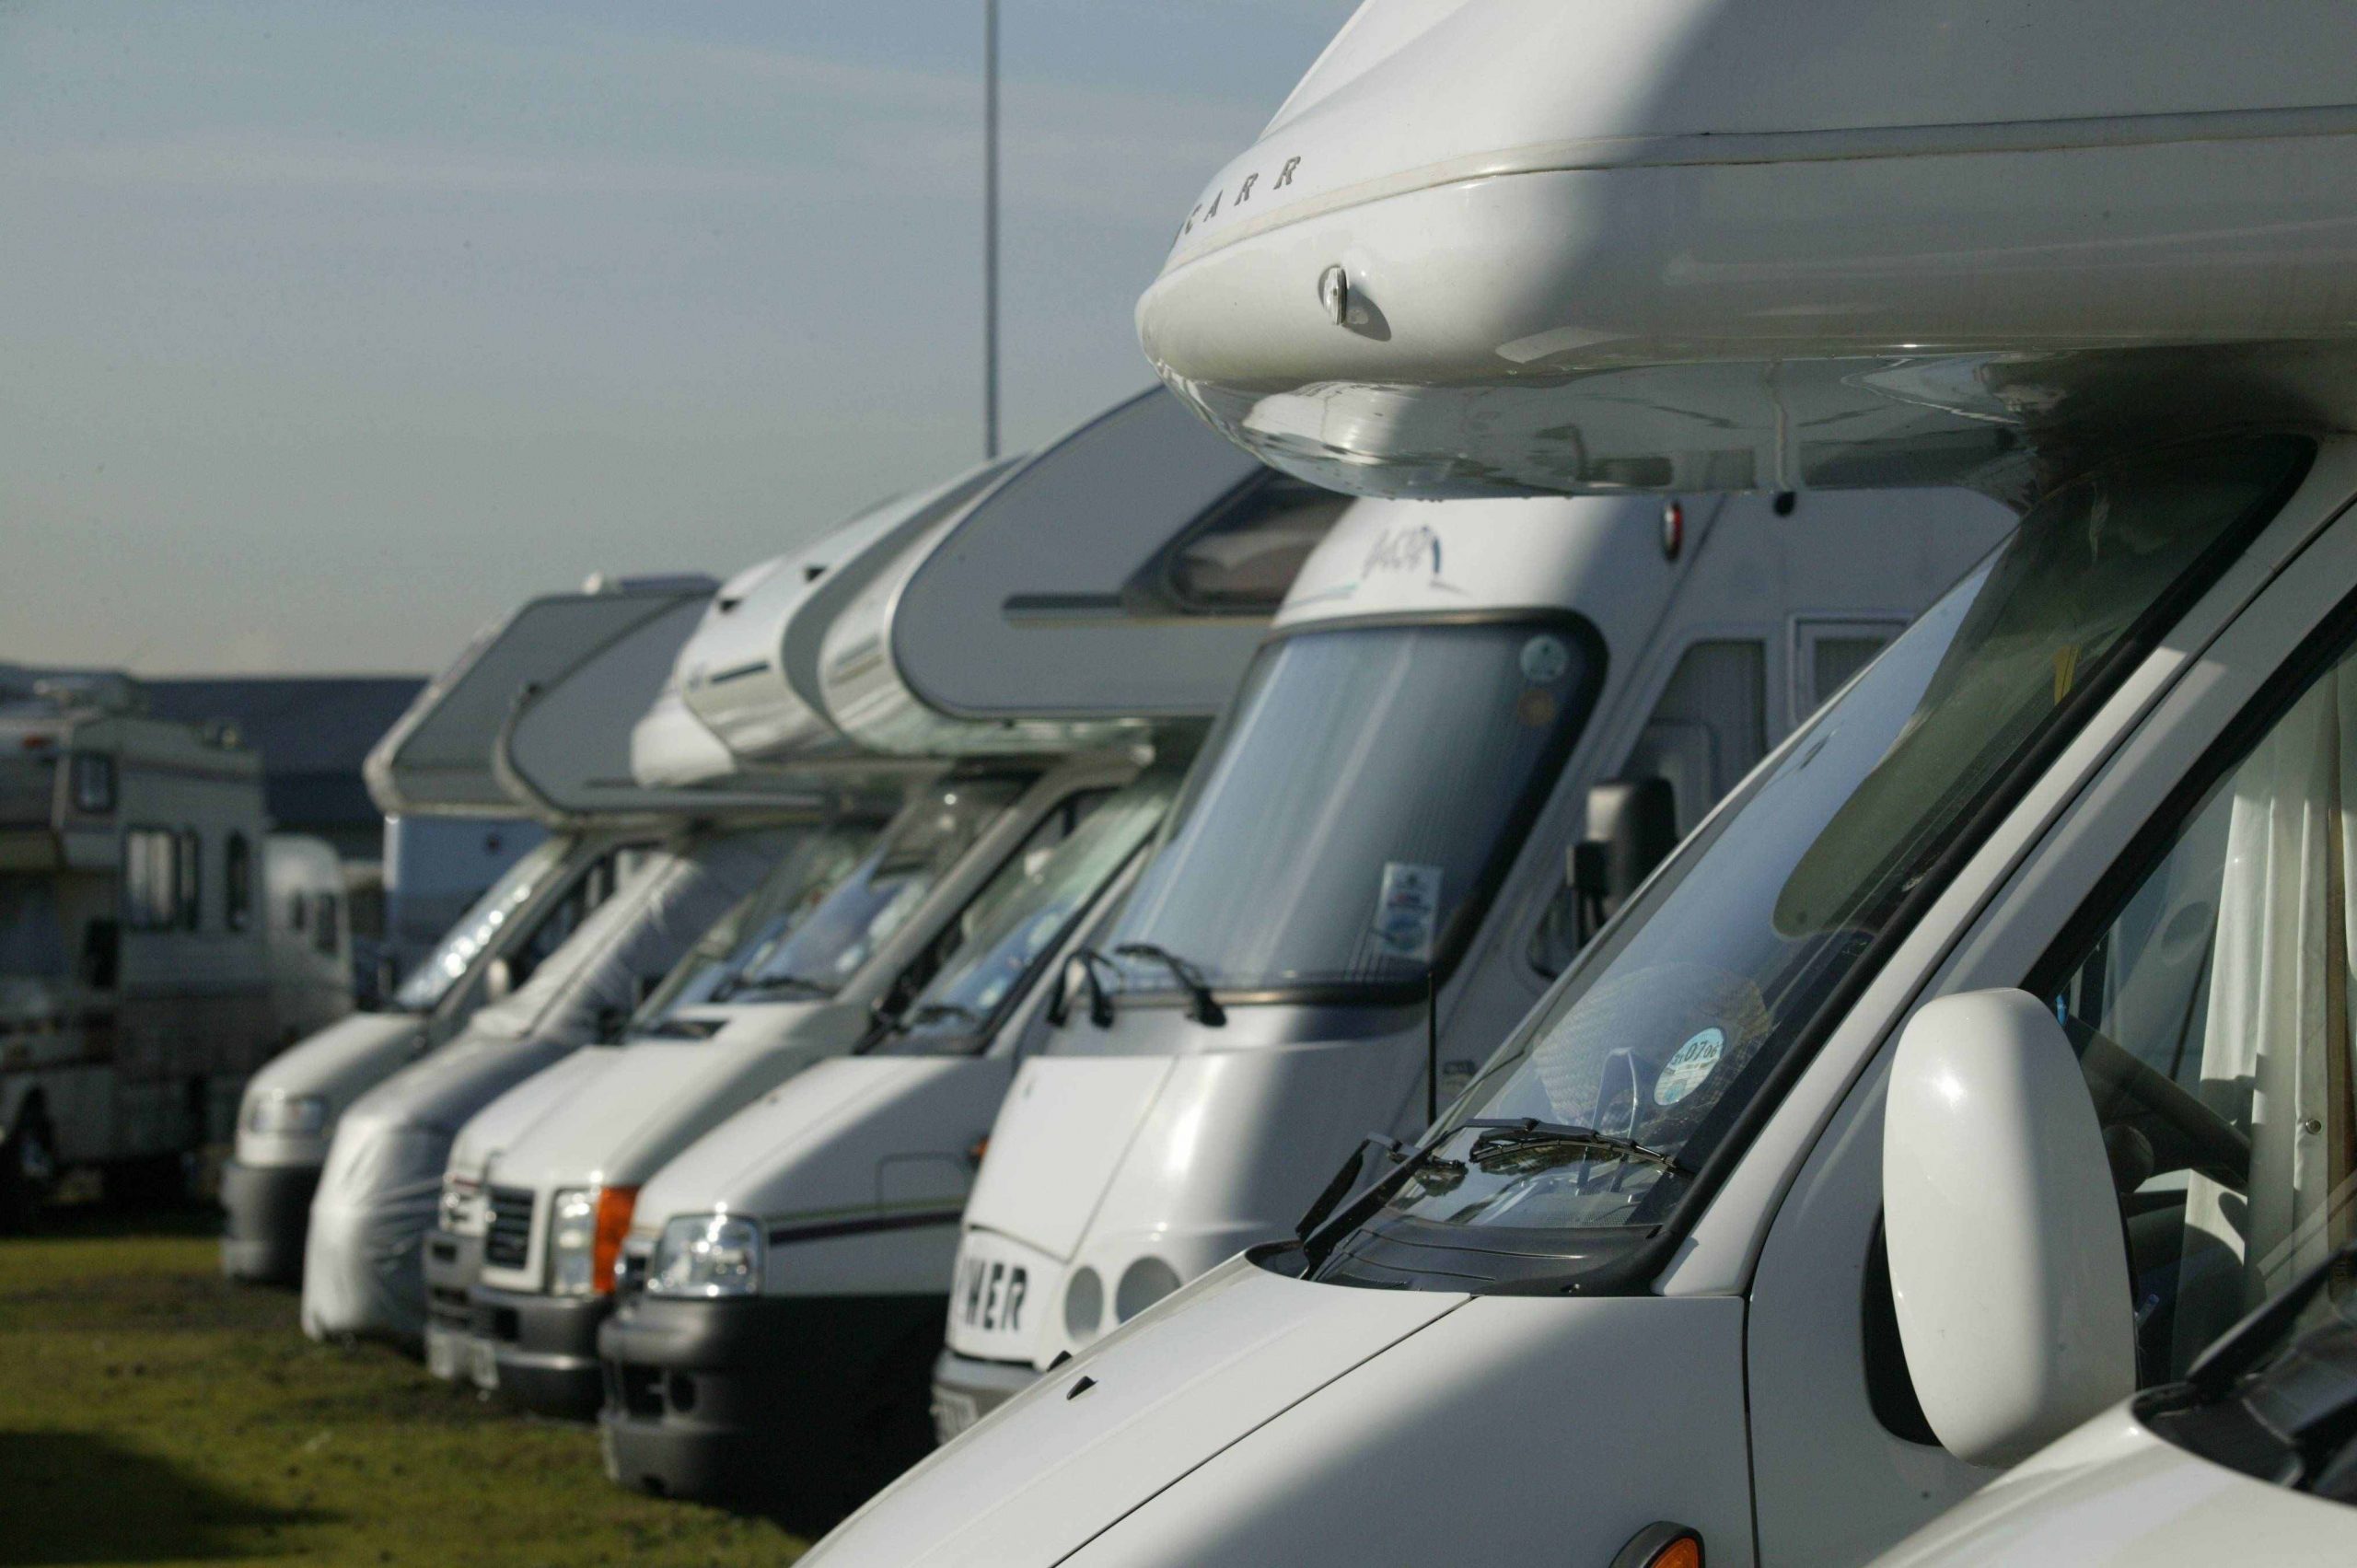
(1689,1065)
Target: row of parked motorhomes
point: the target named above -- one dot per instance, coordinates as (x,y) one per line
(1707,901)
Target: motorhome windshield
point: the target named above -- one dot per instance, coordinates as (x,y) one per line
(812,869)
(1028,910)
(1352,819)
(1601,1107)
(466,941)
(814,959)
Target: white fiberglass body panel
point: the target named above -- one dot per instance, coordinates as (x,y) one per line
(1698,245)
(748,674)
(1120,576)
(442,755)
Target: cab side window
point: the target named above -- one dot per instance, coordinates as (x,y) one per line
(592,887)
(2212,1014)
(1019,870)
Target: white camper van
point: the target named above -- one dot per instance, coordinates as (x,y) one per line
(310,933)
(686,857)
(1373,875)
(930,660)
(2059,876)
(437,761)
(1147,581)
(135,983)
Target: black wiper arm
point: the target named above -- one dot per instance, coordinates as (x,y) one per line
(1566,1132)
(932,1012)
(1202,1005)
(2250,1342)
(779,985)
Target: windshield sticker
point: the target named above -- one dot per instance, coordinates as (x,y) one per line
(1689,1066)
(1544,660)
(1407,911)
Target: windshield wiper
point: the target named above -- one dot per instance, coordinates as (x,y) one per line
(2261,1332)
(774,988)
(1202,1005)
(1519,1128)
(932,1012)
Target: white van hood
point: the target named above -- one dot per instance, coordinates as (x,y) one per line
(1254,1419)
(545,1094)
(1049,1470)
(339,1063)
(652,1099)
(740,1164)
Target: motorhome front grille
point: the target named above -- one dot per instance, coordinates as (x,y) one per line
(509,1242)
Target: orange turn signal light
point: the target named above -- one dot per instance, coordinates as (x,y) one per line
(1661,1545)
(614,1207)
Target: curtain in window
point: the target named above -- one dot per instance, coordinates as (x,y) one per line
(2277,1049)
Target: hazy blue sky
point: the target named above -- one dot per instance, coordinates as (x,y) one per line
(328,331)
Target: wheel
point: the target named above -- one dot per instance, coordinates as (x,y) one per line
(28,1168)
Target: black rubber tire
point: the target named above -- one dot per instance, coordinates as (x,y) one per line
(27,1168)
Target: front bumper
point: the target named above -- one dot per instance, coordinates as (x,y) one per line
(771,1401)
(543,1348)
(966,1389)
(453,1349)
(266,1211)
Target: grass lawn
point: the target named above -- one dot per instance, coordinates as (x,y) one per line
(151,1412)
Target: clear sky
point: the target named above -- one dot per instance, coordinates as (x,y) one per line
(328,331)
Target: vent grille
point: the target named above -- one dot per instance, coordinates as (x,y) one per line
(509,1242)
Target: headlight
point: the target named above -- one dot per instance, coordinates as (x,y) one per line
(586,1229)
(271,1114)
(707,1255)
(1143,1283)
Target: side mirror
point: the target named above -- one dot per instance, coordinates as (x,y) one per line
(1632,827)
(2007,1269)
(498,980)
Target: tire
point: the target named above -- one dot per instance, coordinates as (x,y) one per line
(28,1168)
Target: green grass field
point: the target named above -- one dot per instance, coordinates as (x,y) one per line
(152,1413)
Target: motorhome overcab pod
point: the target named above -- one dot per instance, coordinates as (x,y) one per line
(685,856)
(1367,877)
(1520,245)
(437,761)
(135,981)
(1106,593)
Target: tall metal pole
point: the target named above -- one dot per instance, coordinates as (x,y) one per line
(989,229)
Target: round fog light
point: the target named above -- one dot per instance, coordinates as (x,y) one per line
(1084,1305)
(1143,1283)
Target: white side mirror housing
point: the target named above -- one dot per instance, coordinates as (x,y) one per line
(2007,1265)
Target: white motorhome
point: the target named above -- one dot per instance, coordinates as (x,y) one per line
(683,858)
(1369,881)
(135,983)
(310,933)
(788,1272)
(2056,882)
(937,659)
(437,763)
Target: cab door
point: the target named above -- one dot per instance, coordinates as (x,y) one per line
(2179,883)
